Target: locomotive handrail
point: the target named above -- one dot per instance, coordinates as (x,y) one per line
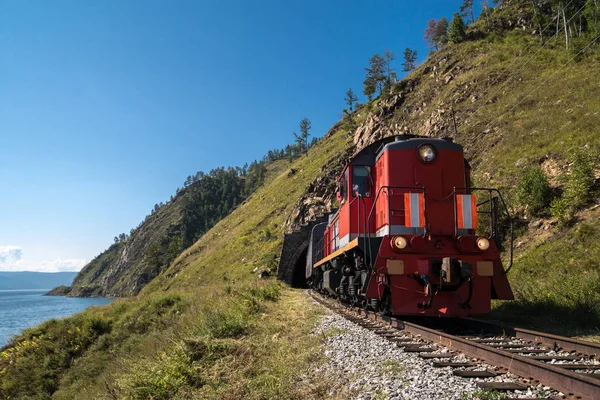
(368,224)
(490,190)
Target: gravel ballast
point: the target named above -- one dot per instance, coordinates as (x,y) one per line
(376,368)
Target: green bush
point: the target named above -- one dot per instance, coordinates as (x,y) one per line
(562,210)
(534,191)
(578,186)
(580,180)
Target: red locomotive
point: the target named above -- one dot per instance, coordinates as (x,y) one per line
(411,236)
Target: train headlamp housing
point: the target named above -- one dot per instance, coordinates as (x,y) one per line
(399,243)
(427,153)
(483,244)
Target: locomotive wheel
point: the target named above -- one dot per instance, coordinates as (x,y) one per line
(385,305)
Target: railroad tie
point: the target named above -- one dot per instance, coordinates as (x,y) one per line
(443,364)
(418,349)
(436,355)
(501,386)
(392,335)
(469,373)
(484,340)
(400,339)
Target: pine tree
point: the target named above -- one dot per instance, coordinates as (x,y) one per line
(466,10)
(369,87)
(456,32)
(389,57)
(376,78)
(350,98)
(410,58)
(302,138)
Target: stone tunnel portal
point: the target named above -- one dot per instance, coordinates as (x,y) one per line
(292,262)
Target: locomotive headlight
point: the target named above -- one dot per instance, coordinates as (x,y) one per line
(399,242)
(426,153)
(483,244)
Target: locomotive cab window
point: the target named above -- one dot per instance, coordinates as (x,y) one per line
(361,181)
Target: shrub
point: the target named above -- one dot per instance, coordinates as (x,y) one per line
(349,123)
(562,211)
(580,180)
(534,191)
(578,186)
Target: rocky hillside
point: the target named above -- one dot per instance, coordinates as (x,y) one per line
(123,269)
(208,327)
(134,260)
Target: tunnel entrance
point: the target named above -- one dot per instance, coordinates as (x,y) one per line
(299,276)
(292,260)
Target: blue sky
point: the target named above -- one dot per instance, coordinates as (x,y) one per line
(107,106)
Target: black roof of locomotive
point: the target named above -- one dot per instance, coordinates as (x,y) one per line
(372,152)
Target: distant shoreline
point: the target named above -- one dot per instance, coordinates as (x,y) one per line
(24,280)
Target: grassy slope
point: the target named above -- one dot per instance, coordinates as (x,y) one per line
(236,351)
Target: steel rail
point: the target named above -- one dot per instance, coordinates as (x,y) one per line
(565,381)
(546,339)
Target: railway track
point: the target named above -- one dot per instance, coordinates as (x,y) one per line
(569,366)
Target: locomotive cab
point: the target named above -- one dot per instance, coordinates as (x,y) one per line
(411,236)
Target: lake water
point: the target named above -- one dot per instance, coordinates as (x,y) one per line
(20,309)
